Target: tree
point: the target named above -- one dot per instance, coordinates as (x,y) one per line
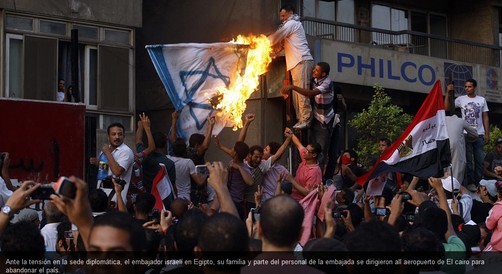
(495,133)
(380,119)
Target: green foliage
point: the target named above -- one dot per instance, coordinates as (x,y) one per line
(380,119)
(495,133)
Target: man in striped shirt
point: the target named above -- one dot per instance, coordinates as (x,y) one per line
(322,92)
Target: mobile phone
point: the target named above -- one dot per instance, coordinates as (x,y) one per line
(65,187)
(255,214)
(339,214)
(201,170)
(405,196)
(108,183)
(381,211)
(68,234)
(44,192)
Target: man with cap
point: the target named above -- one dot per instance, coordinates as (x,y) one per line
(487,193)
(453,189)
(493,162)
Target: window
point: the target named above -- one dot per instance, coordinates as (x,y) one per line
(387,18)
(51,27)
(14,63)
(19,23)
(87,32)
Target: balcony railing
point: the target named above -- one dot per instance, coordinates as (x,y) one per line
(406,41)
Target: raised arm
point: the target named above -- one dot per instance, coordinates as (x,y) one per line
(295,140)
(225,149)
(249,118)
(174,120)
(449,92)
(443,204)
(144,124)
(207,138)
(17,201)
(78,210)
(289,134)
(218,177)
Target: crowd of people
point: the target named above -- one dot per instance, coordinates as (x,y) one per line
(175,207)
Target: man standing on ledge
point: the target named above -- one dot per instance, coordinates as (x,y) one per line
(475,112)
(291,37)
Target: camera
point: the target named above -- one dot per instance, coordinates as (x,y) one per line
(155,216)
(65,187)
(255,214)
(381,211)
(44,192)
(405,196)
(410,217)
(339,214)
(108,183)
(201,170)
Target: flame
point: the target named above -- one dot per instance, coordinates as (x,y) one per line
(231,102)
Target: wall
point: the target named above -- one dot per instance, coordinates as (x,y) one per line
(117,12)
(45,140)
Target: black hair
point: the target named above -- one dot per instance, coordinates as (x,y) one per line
(242,150)
(281,219)
(22,237)
(317,149)
(254,148)
(196,139)
(324,67)
(186,231)
(274,147)
(160,139)
(125,222)
(179,148)
(474,82)
(373,236)
(144,203)
(288,7)
(98,200)
(116,124)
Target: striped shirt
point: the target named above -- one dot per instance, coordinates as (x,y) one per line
(323,102)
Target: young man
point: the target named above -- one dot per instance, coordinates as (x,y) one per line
(322,92)
(291,37)
(475,111)
(120,157)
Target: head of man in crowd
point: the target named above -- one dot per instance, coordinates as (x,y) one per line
(223,234)
(470,87)
(270,149)
(321,70)
(255,155)
(116,231)
(286,11)
(160,140)
(313,150)
(240,152)
(280,224)
(116,134)
(383,144)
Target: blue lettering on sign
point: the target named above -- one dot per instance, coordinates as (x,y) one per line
(409,71)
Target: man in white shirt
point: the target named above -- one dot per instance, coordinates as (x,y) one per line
(291,37)
(120,157)
(475,112)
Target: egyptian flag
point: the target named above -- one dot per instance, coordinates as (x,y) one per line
(423,149)
(162,189)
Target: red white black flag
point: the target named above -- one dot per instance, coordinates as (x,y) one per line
(423,149)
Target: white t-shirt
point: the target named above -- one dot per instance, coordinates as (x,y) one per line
(184,169)
(124,156)
(472,111)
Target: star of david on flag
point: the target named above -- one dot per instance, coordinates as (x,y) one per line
(192,74)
